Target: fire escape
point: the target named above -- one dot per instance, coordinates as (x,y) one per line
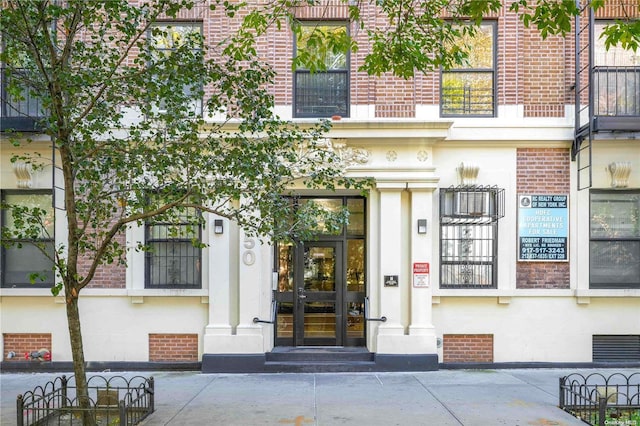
(607,93)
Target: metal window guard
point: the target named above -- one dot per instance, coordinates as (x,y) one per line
(274,307)
(366,312)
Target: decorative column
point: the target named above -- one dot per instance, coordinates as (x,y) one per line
(421,326)
(251,283)
(239,291)
(390,266)
(219,329)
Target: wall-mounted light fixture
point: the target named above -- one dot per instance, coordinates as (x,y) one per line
(422,226)
(217,226)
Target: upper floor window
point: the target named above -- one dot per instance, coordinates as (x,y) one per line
(323,91)
(20,107)
(469,89)
(27,254)
(167,38)
(616,77)
(615,239)
(469,236)
(173,259)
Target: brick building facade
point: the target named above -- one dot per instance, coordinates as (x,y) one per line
(452,154)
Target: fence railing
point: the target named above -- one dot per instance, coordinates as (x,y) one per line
(19,110)
(113,400)
(467,100)
(600,400)
(616,91)
(321,94)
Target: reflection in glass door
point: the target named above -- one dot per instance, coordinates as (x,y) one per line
(317,295)
(321,285)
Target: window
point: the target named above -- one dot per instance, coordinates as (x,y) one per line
(23,257)
(616,78)
(324,92)
(469,90)
(468,236)
(615,239)
(20,108)
(168,38)
(173,261)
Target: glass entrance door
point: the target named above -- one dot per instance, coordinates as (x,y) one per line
(318,293)
(321,285)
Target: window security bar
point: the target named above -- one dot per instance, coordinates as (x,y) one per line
(471,204)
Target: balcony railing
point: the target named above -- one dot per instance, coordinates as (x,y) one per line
(616,98)
(616,91)
(19,112)
(467,100)
(322,94)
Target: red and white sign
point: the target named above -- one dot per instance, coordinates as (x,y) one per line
(421,274)
(421,268)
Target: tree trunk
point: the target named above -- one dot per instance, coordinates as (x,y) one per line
(77,352)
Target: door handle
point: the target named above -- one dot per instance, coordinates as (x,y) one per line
(301,294)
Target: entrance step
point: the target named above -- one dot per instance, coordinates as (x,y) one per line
(319,359)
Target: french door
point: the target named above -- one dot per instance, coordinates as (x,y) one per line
(319,307)
(321,283)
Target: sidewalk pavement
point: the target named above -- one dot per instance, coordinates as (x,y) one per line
(518,397)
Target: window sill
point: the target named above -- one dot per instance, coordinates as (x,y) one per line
(168,292)
(493,292)
(606,292)
(26,292)
(98,292)
(504,295)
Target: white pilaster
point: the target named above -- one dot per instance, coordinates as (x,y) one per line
(390,232)
(421,325)
(220,300)
(236,282)
(251,279)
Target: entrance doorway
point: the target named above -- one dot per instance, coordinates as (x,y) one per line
(321,286)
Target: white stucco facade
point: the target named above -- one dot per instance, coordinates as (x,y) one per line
(409,161)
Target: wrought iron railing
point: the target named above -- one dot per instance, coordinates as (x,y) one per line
(467,100)
(321,94)
(113,400)
(616,91)
(18,111)
(600,400)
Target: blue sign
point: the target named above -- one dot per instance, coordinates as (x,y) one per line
(543,227)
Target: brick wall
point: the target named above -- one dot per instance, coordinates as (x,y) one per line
(543,171)
(395,97)
(619,9)
(542,275)
(20,343)
(173,347)
(543,75)
(106,276)
(532,72)
(467,348)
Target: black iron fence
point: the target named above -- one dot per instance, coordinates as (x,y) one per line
(616,91)
(115,400)
(599,400)
(467,100)
(19,110)
(321,94)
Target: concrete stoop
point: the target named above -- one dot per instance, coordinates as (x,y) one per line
(317,360)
